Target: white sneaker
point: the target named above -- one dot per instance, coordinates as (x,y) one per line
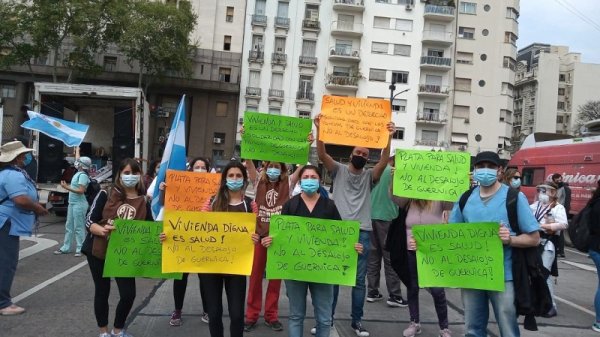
(412,330)
(445,333)
(313,330)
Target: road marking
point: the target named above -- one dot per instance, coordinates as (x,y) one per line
(576,306)
(40,244)
(579,265)
(48,282)
(576,252)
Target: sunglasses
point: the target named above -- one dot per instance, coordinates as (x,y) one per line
(541,190)
(518,178)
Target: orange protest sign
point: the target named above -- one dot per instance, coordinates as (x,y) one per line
(188,191)
(355,121)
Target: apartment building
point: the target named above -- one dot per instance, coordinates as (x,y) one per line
(551,84)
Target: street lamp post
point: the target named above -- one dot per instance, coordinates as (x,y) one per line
(392,95)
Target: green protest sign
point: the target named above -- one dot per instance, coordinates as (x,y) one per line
(313,250)
(275,138)
(134,250)
(463,255)
(431,175)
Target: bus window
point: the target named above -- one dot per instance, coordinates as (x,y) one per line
(533,176)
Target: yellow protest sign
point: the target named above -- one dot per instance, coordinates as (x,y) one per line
(355,121)
(208,242)
(189,191)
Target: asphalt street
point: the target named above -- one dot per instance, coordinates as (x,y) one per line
(57,292)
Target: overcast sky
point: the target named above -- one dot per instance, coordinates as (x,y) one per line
(546,21)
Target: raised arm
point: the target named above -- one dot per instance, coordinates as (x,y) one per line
(328,162)
(385,154)
(295,176)
(252,174)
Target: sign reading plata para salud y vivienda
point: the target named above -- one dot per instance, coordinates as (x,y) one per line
(313,250)
(189,191)
(468,256)
(134,250)
(276,138)
(208,242)
(431,175)
(355,121)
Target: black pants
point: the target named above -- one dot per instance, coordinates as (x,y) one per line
(102,285)
(179,288)
(235,289)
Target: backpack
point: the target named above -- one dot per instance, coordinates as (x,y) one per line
(579,229)
(92,190)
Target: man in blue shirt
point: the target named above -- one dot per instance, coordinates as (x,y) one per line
(487,203)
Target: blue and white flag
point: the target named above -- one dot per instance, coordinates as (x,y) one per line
(70,133)
(174,156)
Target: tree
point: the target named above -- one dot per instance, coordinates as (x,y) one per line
(587,112)
(157,38)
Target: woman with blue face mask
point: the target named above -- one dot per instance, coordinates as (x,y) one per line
(512,178)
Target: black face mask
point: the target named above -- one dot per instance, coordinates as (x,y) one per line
(358,162)
(561,184)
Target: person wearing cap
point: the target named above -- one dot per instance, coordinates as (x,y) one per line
(552,217)
(487,203)
(19,209)
(78,206)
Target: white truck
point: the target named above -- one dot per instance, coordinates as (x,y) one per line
(98,107)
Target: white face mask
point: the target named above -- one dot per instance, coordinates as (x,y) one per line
(544,198)
(203,170)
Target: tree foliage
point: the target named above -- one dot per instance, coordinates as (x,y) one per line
(588,112)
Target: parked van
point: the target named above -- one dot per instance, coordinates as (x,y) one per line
(576,159)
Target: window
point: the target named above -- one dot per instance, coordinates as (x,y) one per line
(512,13)
(505,115)
(257,43)
(229,14)
(259,7)
(227,43)
(309,48)
(464,58)
(254,80)
(377,75)
(398,134)
(429,135)
(510,37)
(252,108)
(533,176)
(7,91)
(402,49)
(312,12)
(561,105)
(561,91)
(467,7)
(404,25)
(462,84)
(217,154)
(379,48)
(222,108)
(461,111)
(304,114)
(345,22)
(433,80)
(435,52)
(431,108)
(41,60)
(280,45)
(381,22)
(282,9)
(225,75)
(509,63)
(559,119)
(507,89)
(399,105)
(305,85)
(466,33)
(562,78)
(400,77)
(341,71)
(110,63)
(343,47)
(218,137)
(277,81)
(274,111)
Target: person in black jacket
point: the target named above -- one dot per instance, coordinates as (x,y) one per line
(594,248)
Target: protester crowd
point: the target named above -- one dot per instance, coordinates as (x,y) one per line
(360,192)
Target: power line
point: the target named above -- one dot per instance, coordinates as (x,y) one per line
(572,6)
(579,15)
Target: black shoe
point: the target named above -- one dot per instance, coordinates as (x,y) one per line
(374,296)
(397,302)
(249,326)
(275,325)
(561,255)
(550,313)
(359,330)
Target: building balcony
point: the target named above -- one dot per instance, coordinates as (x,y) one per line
(349,5)
(253,92)
(439,13)
(305,96)
(436,63)
(341,28)
(433,90)
(259,20)
(438,38)
(342,53)
(311,25)
(276,95)
(342,82)
(429,142)
(256,56)
(308,61)
(279,58)
(431,118)
(282,22)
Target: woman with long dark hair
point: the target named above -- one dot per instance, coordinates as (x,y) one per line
(594,249)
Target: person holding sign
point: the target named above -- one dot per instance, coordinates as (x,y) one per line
(229,198)
(124,200)
(352,196)
(487,203)
(309,203)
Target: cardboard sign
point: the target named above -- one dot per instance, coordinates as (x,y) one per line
(276,138)
(431,175)
(355,121)
(313,250)
(465,255)
(189,191)
(134,250)
(208,242)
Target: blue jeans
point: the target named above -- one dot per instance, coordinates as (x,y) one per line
(476,304)
(596,258)
(322,299)
(9,258)
(75,226)
(359,291)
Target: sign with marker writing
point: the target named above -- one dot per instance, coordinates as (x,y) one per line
(134,250)
(189,191)
(276,138)
(313,250)
(467,255)
(208,242)
(355,121)
(431,175)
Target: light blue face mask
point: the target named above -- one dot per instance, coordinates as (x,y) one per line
(515,183)
(273,173)
(28,159)
(130,180)
(309,186)
(485,176)
(235,185)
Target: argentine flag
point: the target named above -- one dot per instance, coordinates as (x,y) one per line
(70,133)
(174,157)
